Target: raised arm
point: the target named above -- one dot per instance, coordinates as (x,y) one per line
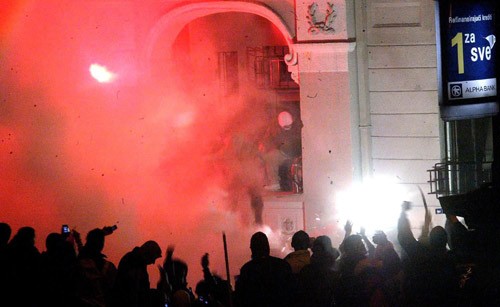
(348,231)
(459,236)
(426,227)
(369,245)
(405,235)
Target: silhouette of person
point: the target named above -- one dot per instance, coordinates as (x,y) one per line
(57,272)
(430,275)
(23,263)
(95,274)
(385,255)
(282,144)
(212,290)
(173,281)
(265,280)
(5,232)
(242,170)
(131,287)
(300,257)
(317,280)
(361,282)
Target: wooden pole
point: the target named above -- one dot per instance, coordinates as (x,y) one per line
(226,258)
(228,275)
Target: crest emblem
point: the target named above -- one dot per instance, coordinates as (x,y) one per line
(288,226)
(319,23)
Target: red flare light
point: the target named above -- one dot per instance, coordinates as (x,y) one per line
(101,73)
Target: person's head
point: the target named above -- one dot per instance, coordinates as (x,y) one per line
(259,245)
(379,237)
(54,242)
(177,272)
(438,237)
(353,245)
(300,240)
(285,120)
(57,246)
(95,240)
(150,251)
(202,290)
(25,236)
(322,246)
(5,233)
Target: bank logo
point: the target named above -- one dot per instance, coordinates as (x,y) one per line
(456,90)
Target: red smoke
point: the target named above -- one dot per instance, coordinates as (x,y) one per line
(146,156)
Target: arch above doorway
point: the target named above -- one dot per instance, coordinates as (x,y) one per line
(175,19)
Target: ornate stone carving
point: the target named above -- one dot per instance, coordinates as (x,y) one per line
(288,226)
(318,25)
(291,60)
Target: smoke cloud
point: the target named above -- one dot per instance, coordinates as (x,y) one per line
(152,158)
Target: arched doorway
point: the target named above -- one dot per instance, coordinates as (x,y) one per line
(228,60)
(176,19)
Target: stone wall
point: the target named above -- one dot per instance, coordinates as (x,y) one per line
(401,90)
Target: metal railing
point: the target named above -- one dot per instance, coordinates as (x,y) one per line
(454,178)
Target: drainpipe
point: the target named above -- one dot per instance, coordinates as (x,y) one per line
(365,127)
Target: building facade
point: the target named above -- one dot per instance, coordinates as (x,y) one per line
(368,90)
(360,76)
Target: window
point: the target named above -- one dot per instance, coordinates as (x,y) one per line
(228,73)
(269,68)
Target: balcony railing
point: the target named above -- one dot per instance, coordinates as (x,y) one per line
(454,178)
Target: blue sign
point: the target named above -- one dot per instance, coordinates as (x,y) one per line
(470,50)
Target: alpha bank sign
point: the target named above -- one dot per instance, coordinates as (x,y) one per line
(468,47)
(472,89)
(471,44)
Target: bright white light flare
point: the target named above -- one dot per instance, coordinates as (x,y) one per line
(101,73)
(374,204)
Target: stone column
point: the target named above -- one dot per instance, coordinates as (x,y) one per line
(326,70)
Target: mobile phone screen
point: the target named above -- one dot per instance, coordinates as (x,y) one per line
(65,229)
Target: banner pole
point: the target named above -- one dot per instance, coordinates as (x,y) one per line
(228,275)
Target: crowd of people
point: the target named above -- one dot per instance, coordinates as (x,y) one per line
(443,267)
